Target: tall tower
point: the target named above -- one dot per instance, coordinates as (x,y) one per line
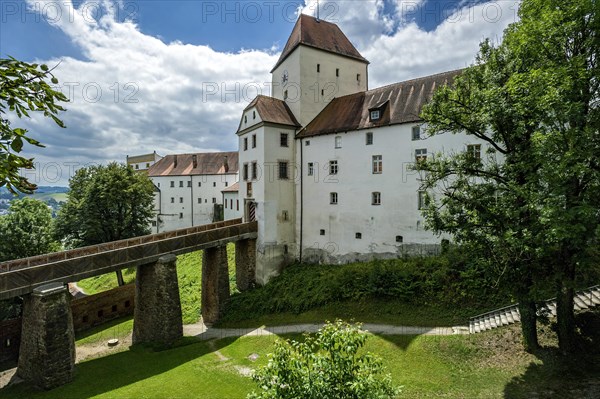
(317,64)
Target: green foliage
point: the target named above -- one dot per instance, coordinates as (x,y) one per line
(105,203)
(23,89)
(531,203)
(26,230)
(452,281)
(327,365)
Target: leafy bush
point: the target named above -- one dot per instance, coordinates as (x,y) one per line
(324,366)
(451,280)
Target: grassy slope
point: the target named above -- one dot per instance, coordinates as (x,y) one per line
(189,276)
(488,365)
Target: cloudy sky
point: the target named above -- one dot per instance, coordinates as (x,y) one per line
(173,76)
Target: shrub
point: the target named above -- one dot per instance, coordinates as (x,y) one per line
(324,366)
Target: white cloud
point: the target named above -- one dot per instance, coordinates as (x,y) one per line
(134,93)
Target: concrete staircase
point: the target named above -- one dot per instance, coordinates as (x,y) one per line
(583,299)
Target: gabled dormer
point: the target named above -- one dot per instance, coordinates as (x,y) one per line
(317,64)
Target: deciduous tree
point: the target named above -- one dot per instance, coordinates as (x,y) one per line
(105,203)
(531,202)
(24,88)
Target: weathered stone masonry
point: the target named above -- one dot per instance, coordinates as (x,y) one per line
(47,353)
(157,314)
(245,264)
(215,283)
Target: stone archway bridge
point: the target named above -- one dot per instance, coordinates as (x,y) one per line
(47,352)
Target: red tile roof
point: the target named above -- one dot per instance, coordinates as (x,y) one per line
(232,189)
(399,103)
(319,34)
(207,163)
(272,110)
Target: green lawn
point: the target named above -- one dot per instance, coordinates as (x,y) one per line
(488,365)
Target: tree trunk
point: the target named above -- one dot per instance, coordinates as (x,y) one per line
(565,317)
(120,280)
(528,310)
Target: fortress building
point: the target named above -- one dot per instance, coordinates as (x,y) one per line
(325,162)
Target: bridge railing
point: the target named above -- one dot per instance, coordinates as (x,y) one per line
(21,276)
(109,246)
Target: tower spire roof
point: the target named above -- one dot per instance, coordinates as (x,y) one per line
(323,35)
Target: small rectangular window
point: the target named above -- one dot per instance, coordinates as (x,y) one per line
(137,166)
(333,198)
(158,185)
(254,171)
(283,139)
(237,205)
(172,200)
(311,168)
(226,184)
(189,183)
(358,236)
(377,164)
(285,95)
(199,200)
(333,167)
(369,138)
(474,151)
(399,239)
(375,115)
(254,141)
(180,215)
(376,198)
(245,143)
(337,72)
(307,143)
(172,183)
(416,133)
(245,172)
(214,184)
(181,200)
(318,68)
(154,223)
(421,155)
(199,184)
(180,183)
(249,189)
(283,170)
(322,232)
(358,77)
(285,216)
(421,199)
(338,141)
(214,200)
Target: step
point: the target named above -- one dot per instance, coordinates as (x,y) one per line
(509,316)
(497,319)
(486,323)
(504,318)
(516,315)
(579,303)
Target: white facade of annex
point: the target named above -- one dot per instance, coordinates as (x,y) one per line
(186,201)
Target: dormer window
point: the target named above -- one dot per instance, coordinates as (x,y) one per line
(375,115)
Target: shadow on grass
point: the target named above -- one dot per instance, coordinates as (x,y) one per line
(563,377)
(105,374)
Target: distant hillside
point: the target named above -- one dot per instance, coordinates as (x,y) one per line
(42,193)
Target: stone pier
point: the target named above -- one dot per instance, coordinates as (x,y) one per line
(157,314)
(245,264)
(215,283)
(47,353)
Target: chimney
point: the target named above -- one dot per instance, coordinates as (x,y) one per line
(195,160)
(225,164)
(175,162)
